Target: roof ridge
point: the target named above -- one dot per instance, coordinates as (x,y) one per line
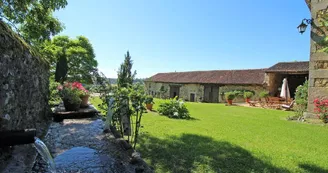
(293,62)
(257,69)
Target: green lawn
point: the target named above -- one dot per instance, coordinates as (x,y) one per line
(232,139)
(96,101)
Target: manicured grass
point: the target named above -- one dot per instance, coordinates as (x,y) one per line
(95,100)
(232,139)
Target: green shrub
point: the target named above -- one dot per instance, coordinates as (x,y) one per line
(149,99)
(248,95)
(54,94)
(230,95)
(264,94)
(301,94)
(301,99)
(238,93)
(174,108)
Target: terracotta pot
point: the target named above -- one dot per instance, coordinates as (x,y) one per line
(247,100)
(84,102)
(230,102)
(71,107)
(149,106)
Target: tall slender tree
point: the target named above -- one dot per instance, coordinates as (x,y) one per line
(125,76)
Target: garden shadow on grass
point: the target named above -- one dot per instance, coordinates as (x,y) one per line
(189,119)
(312,168)
(195,153)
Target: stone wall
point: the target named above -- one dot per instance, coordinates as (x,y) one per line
(23,97)
(273,83)
(187,89)
(153,88)
(256,88)
(318,76)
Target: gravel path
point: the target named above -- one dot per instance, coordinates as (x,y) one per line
(79,145)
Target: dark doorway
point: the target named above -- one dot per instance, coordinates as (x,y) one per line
(174,91)
(294,80)
(211,93)
(192,97)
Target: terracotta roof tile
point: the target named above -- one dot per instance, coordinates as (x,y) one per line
(302,66)
(252,76)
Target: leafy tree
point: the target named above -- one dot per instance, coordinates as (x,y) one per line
(79,53)
(34,18)
(124,76)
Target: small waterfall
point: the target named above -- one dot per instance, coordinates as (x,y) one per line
(44,152)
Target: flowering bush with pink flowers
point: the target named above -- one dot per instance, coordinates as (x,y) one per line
(321,108)
(83,91)
(72,92)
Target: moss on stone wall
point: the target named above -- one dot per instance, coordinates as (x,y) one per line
(5,29)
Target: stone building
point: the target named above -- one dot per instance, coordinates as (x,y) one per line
(295,72)
(210,86)
(318,76)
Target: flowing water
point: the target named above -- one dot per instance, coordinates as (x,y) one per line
(45,154)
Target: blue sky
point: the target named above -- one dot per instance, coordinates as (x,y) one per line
(186,35)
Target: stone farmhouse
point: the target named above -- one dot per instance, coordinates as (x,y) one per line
(210,86)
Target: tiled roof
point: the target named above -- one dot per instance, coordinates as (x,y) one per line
(302,66)
(253,76)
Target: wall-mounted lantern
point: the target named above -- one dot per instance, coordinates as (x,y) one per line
(302,27)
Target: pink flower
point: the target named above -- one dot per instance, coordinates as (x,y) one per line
(78,85)
(59,87)
(316,100)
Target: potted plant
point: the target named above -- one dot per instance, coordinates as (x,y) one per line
(84,94)
(230,96)
(70,96)
(248,95)
(264,94)
(85,98)
(149,102)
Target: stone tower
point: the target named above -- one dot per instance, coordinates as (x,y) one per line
(318,69)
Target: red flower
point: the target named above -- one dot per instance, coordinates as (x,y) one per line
(316,100)
(78,85)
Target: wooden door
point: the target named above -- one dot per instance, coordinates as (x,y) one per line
(207,91)
(211,93)
(215,94)
(192,97)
